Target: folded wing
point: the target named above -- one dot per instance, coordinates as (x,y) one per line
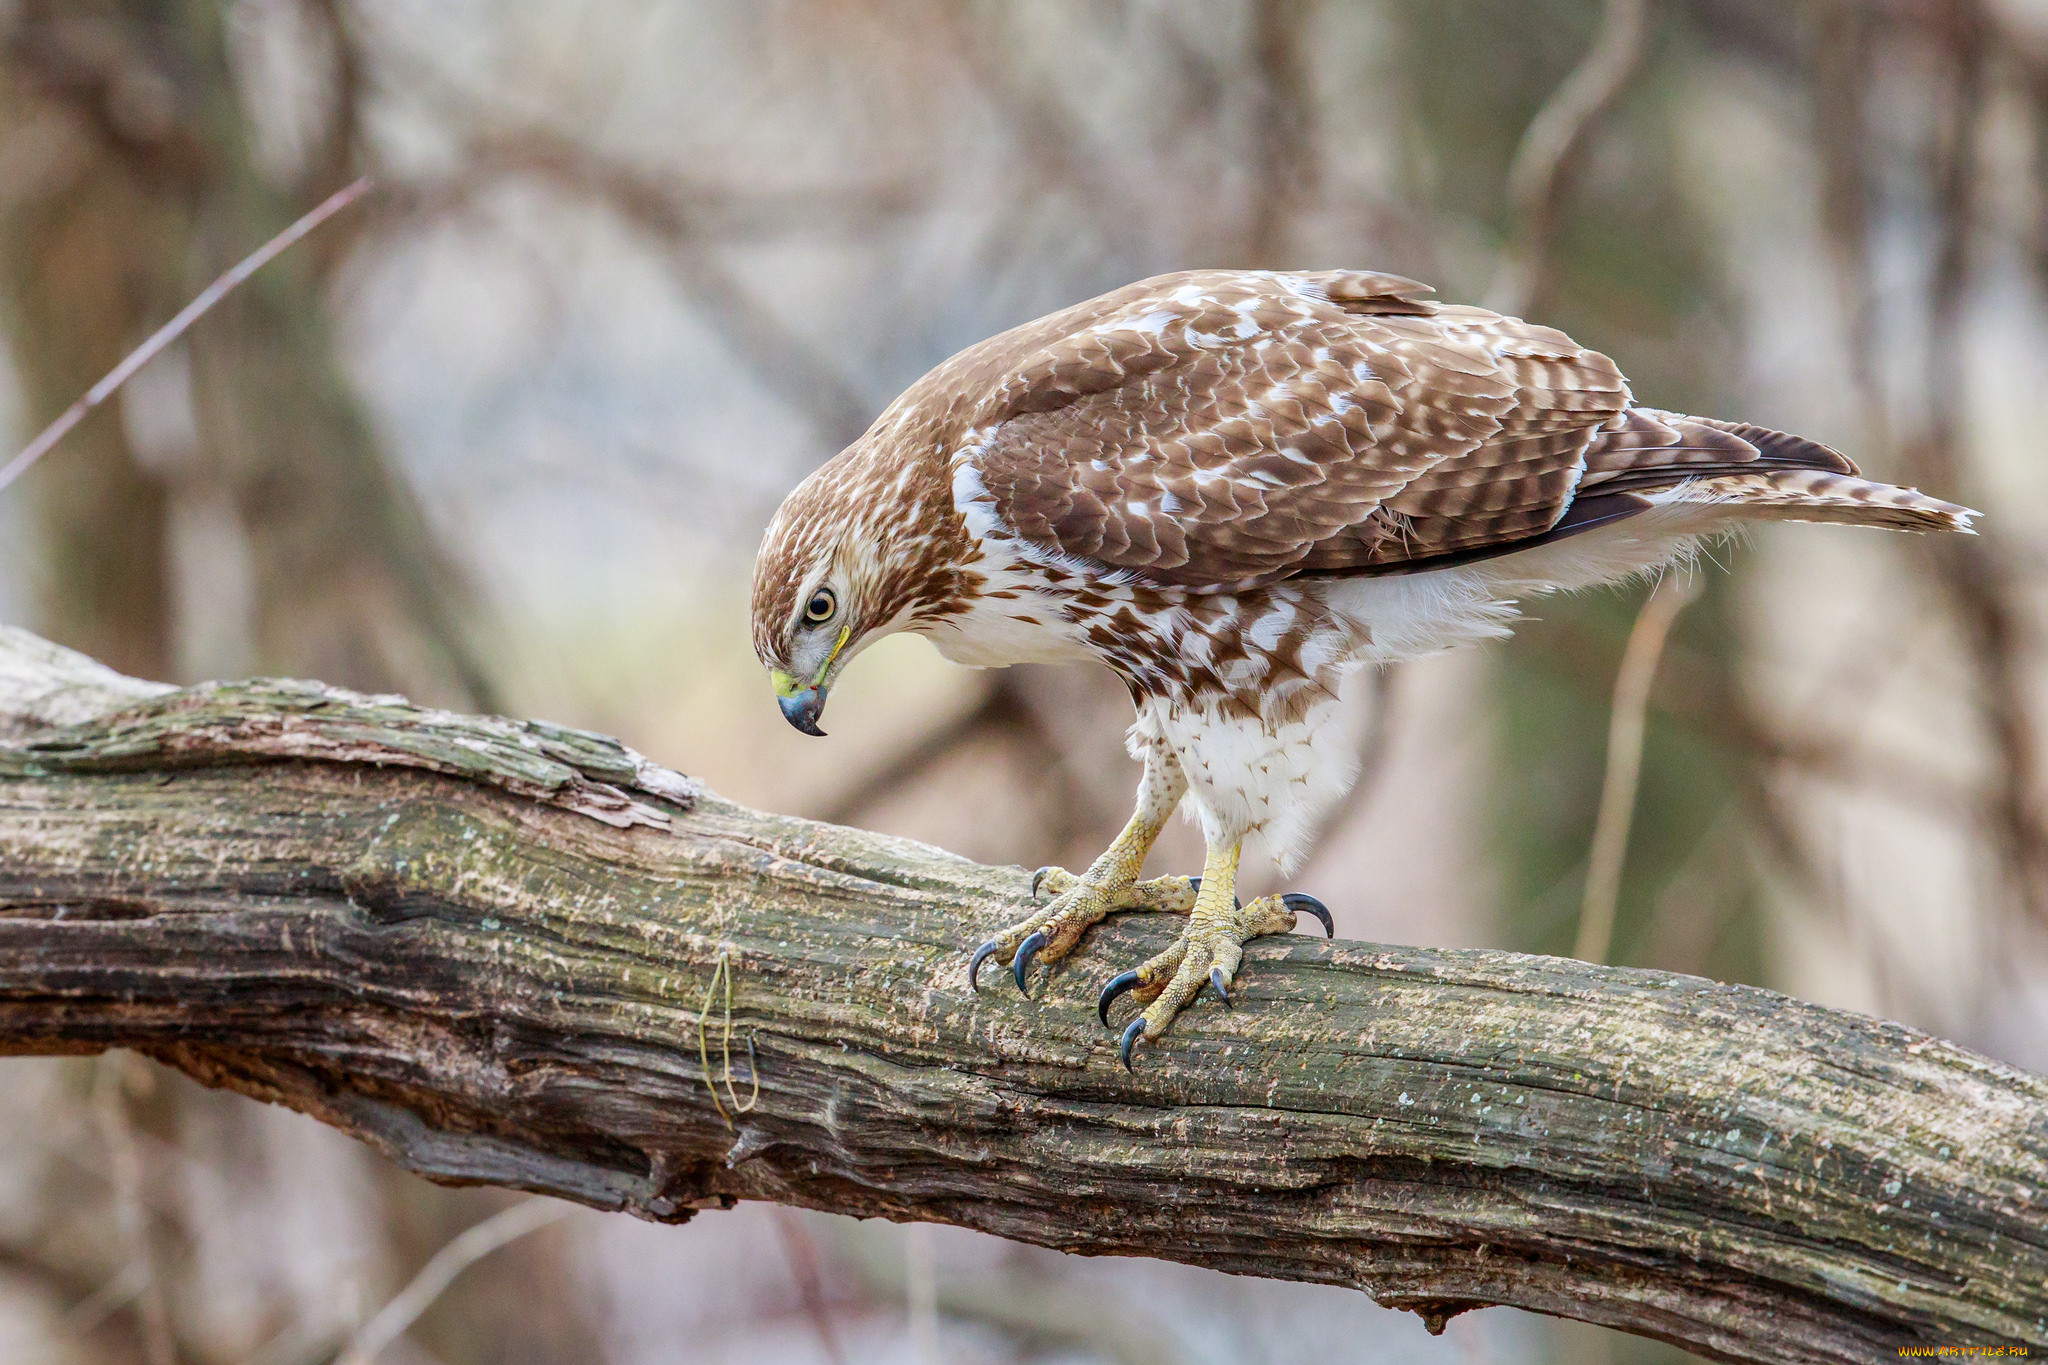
(1217,430)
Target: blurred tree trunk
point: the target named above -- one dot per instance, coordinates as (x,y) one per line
(233,512)
(143,186)
(87,253)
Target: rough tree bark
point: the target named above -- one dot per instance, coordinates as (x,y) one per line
(484,946)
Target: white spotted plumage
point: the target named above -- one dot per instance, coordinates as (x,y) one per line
(1237,489)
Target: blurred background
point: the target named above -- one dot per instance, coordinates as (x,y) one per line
(504,436)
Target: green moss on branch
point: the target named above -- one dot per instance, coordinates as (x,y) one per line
(483,947)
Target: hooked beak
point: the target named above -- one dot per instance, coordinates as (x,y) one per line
(800,705)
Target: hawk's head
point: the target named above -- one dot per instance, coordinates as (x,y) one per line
(867,545)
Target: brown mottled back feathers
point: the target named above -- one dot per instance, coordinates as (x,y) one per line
(1218,429)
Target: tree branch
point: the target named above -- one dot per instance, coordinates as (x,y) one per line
(481,946)
(1546,161)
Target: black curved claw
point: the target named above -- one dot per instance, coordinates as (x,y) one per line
(1118,984)
(1038,877)
(981,955)
(1195,884)
(1222,991)
(1123,1048)
(1302,904)
(1027,950)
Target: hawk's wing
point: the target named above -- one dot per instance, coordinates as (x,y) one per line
(1224,429)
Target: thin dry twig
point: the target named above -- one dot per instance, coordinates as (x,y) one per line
(1625,762)
(469,1247)
(1552,146)
(175,328)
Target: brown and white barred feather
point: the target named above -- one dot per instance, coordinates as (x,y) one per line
(1223,430)
(1818,495)
(1751,472)
(1235,488)
(1646,458)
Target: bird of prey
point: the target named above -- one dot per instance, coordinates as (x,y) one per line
(1235,489)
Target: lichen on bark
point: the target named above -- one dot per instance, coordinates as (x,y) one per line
(414,925)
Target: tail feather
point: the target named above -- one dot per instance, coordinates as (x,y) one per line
(1693,475)
(1646,457)
(1649,448)
(1817,495)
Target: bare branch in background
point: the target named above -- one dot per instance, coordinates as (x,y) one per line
(176,327)
(472,1245)
(1547,160)
(789,364)
(87,1304)
(1693,690)
(2033,64)
(338,156)
(1043,1313)
(921,1293)
(1006,709)
(1973,572)
(1843,61)
(1054,143)
(685,217)
(1626,724)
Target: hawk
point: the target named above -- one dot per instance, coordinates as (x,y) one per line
(1235,489)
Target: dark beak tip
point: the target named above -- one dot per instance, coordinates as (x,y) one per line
(801,711)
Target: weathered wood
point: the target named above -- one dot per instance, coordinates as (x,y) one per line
(483,947)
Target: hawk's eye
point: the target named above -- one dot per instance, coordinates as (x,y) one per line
(821,606)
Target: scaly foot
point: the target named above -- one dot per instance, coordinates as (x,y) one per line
(1206,954)
(1077,902)
(1110,883)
